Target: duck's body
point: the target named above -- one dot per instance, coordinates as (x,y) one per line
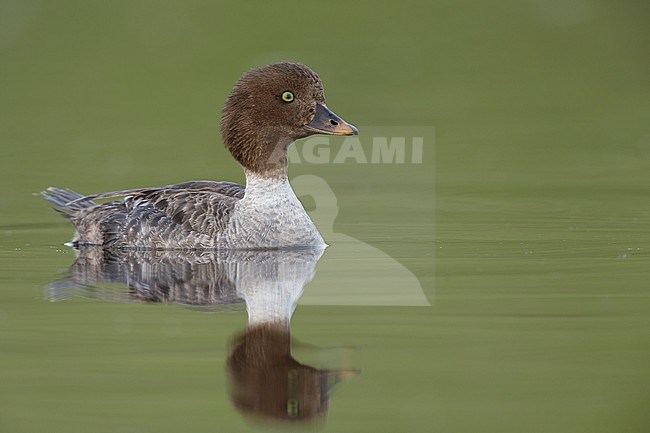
(206,214)
(194,215)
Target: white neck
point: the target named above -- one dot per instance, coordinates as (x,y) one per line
(256,183)
(267,190)
(270,216)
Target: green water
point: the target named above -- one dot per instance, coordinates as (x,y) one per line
(526,224)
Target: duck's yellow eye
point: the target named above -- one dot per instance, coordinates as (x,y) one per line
(287,96)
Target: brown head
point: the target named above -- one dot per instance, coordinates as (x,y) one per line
(271,107)
(266,383)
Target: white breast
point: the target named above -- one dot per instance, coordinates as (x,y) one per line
(269,216)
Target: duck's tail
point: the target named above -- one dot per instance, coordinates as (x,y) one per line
(66,202)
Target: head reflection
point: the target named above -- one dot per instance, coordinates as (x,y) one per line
(265,381)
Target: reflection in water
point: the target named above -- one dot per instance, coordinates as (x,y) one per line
(190,278)
(266,382)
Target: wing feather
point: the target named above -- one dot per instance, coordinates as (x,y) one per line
(187,215)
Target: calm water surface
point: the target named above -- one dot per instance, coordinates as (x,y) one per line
(500,285)
(535,323)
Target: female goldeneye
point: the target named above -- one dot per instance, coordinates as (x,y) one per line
(267,110)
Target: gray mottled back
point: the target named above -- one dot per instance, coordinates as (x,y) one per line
(190,215)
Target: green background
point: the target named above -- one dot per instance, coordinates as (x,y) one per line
(538,179)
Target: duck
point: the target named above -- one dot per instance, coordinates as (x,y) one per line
(267,110)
